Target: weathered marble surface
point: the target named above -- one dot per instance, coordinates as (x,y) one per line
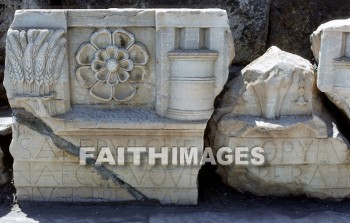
(277,84)
(331,48)
(304,151)
(45,172)
(116,77)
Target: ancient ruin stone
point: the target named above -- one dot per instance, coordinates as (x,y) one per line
(331,45)
(110,63)
(273,105)
(292,83)
(112,78)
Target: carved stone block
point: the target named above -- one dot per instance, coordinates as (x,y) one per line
(331,48)
(115,78)
(273,105)
(34,63)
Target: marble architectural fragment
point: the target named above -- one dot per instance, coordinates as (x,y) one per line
(331,48)
(112,78)
(274,105)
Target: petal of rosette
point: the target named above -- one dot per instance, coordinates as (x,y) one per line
(127,64)
(101,38)
(122,55)
(101,55)
(102,75)
(112,51)
(138,53)
(137,73)
(123,38)
(86,76)
(97,65)
(123,75)
(102,91)
(112,79)
(85,54)
(123,92)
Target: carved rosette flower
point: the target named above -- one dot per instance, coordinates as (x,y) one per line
(111,64)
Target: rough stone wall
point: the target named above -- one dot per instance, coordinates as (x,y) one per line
(256,25)
(292,22)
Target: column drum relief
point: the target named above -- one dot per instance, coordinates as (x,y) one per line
(192,83)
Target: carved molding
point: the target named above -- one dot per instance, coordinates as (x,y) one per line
(342,62)
(271,99)
(301,91)
(203,54)
(111,64)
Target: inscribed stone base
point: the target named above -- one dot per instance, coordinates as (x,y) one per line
(44,172)
(293,166)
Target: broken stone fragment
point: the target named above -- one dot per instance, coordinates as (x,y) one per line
(276,84)
(273,105)
(331,48)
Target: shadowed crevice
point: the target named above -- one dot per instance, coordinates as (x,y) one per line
(8,190)
(341,119)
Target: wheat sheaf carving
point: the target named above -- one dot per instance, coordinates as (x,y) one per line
(34,59)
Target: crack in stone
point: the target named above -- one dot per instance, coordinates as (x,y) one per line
(36,124)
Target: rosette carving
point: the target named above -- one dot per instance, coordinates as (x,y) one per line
(111,64)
